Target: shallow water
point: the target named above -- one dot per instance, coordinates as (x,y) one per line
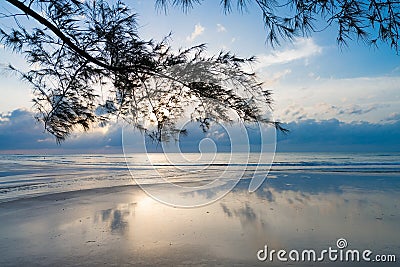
(24,176)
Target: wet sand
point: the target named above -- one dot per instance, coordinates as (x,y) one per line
(122,226)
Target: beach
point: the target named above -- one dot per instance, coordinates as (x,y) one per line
(199,133)
(123,226)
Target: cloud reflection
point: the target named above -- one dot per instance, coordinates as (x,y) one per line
(116,219)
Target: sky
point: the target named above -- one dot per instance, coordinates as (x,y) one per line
(330,98)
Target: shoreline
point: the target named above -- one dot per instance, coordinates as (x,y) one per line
(273,174)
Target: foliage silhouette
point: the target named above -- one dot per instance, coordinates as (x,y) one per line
(89,65)
(371,21)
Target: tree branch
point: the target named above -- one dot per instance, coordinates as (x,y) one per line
(30,12)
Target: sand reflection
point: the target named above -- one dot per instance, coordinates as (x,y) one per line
(116,219)
(125,226)
(290,212)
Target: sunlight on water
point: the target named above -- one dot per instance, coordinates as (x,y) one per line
(30,175)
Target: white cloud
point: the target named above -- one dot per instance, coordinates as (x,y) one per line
(269,80)
(220,28)
(198,30)
(359,110)
(370,99)
(20,131)
(327,111)
(303,48)
(393,117)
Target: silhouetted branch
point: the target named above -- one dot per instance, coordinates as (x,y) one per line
(367,20)
(79,46)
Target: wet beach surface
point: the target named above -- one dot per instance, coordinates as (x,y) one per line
(124,226)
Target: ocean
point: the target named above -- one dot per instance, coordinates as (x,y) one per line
(24,176)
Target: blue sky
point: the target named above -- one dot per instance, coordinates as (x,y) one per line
(350,96)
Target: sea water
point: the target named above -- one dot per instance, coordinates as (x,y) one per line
(23,176)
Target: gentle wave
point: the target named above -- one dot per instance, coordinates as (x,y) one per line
(280,164)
